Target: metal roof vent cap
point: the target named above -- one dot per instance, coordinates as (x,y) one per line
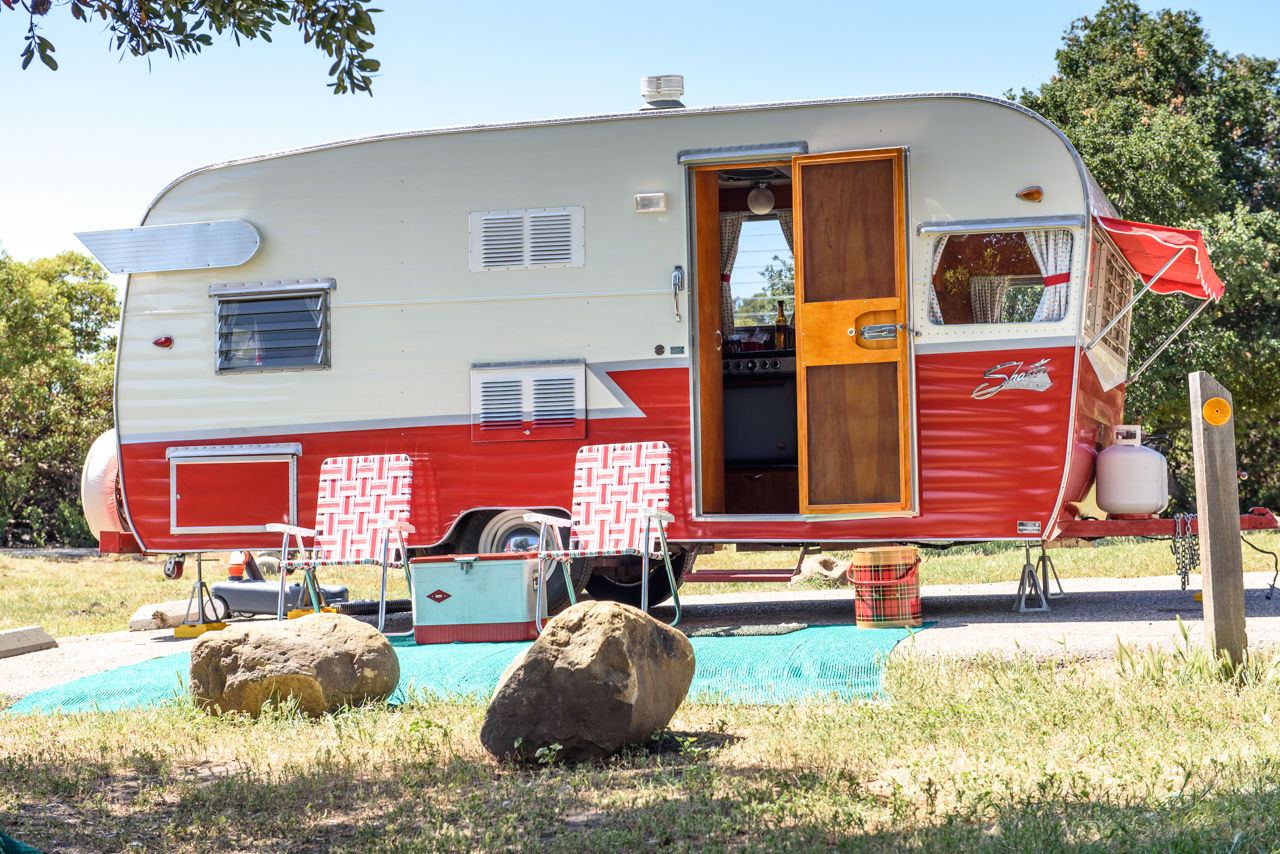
(662,92)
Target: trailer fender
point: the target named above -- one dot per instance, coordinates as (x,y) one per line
(100,486)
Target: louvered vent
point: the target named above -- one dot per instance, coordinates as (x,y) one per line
(501,404)
(554,402)
(526,239)
(530,400)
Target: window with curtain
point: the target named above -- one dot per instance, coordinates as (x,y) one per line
(1001,277)
(763,270)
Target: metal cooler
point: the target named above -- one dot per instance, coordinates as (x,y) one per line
(474,598)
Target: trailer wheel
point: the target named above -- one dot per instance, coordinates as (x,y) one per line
(618,579)
(173,566)
(506,530)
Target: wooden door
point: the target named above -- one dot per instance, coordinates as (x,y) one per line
(851,338)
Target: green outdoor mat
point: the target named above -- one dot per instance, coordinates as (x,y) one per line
(824,662)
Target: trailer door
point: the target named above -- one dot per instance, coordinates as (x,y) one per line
(851,342)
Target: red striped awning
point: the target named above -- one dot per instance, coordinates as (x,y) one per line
(1148,247)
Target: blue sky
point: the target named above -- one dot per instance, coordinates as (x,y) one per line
(89,146)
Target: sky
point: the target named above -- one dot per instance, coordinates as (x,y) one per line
(89,146)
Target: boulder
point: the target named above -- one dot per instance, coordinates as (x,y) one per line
(824,570)
(324,661)
(600,676)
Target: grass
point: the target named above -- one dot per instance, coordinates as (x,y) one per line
(77,596)
(1156,754)
(1150,752)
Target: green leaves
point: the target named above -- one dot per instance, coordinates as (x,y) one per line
(341,29)
(1179,133)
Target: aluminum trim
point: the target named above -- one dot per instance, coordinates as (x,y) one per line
(282,286)
(730,153)
(199,245)
(989,344)
(280,449)
(970,226)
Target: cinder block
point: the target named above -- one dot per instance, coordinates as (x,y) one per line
(24,640)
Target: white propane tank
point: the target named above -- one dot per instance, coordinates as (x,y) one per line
(1132,479)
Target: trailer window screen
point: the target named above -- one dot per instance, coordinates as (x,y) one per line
(1110,287)
(273,332)
(1001,277)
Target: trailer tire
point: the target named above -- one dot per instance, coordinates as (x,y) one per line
(491,532)
(628,592)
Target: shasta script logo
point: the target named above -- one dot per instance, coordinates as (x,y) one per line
(1010,375)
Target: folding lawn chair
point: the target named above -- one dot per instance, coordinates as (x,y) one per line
(360,502)
(619,493)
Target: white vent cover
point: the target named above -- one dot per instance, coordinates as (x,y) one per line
(535,238)
(528,400)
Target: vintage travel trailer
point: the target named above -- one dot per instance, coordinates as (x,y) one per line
(488,299)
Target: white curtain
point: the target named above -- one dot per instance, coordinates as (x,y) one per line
(1052,251)
(986,295)
(730,232)
(935,311)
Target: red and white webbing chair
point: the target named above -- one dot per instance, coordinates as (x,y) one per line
(620,498)
(360,503)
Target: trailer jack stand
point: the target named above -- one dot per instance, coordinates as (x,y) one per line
(1030,587)
(1045,564)
(201,596)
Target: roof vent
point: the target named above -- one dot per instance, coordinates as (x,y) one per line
(662,92)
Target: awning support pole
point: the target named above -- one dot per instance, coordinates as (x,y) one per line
(1135,298)
(1167,342)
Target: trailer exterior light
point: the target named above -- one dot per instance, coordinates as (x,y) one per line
(1031,194)
(165,341)
(651,202)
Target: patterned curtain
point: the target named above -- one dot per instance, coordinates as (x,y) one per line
(1052,251)
(935,311)
(986,293)
(786,220)
(730,232)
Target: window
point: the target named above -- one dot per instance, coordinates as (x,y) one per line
(1110,288)
(271,326)
(1001,277)
(763,273)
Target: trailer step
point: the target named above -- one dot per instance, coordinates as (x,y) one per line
(719,576)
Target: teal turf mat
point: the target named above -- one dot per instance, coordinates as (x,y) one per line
(820,663)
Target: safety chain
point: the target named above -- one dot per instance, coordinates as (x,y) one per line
(1185,546)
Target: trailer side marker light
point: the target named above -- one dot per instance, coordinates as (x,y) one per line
(1031,194)
(1216,411)
(165,341)
(651,202)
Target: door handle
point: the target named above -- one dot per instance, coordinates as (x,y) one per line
(877,331)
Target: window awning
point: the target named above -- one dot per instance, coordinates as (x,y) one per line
(1149,248)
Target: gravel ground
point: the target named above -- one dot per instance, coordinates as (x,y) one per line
(971,619)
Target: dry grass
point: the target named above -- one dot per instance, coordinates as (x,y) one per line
(981,755)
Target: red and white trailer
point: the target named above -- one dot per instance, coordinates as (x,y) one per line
(489,299)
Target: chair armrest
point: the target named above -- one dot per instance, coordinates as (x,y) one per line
(399,525)
(543,519)
(292,530)
(655,513)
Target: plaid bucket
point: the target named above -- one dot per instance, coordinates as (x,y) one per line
(886,586)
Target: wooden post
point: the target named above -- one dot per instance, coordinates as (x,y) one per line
(1213,445)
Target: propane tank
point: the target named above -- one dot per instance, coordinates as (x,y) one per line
(235,566)
(1132,479)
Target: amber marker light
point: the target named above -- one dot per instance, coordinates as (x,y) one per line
(1216,411)
(165,341)
(1031,194)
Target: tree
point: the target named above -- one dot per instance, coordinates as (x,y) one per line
(57,316)
(779,284)
(339,28)
(1179,133)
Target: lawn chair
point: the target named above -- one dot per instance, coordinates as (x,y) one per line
(619,493)
(360,503)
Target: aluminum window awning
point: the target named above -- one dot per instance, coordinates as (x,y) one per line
(1150,248)
(1169,261)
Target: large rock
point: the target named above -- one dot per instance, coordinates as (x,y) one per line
(824,570)
(325,661)
(600,676)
